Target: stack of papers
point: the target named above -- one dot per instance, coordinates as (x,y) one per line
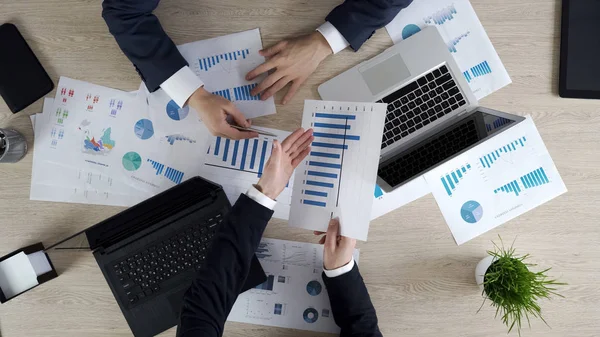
(100,145)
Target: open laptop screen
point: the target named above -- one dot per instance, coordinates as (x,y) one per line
(434,150)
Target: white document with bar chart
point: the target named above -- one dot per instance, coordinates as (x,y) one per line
(337,179)
(466,38)
(294,295)
(238,164)
(495,182)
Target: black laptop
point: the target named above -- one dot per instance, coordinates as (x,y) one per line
(150,252)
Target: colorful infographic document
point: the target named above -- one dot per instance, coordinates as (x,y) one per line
(337,179)
(238,164)
(495,182)
(466,38)
(294,295)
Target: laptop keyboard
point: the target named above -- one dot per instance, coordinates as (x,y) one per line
(433,152)
(420,103)
(141,274)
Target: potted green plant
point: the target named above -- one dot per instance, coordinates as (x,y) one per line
(512,288)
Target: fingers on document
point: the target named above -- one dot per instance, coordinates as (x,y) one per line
(263,68)
(237,115)
(301,142)
(291,139)
(332,233)
(296,161)
(236,134)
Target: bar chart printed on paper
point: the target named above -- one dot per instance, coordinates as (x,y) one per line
(222,64)
(237,164)
(338,176)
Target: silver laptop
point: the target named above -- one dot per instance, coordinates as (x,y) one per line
(432,115)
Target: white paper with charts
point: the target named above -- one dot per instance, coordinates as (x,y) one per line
(238,164)
(337,179)
(495,182)
(467,40)
(222,64)
(294,295)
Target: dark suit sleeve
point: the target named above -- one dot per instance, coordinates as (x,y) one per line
(141,37)
(357,20)
(351,304)
(209,300)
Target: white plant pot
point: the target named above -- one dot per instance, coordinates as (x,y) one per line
(481,269)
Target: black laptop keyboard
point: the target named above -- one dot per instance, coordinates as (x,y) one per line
(420,103)
(142,274)
(433,152)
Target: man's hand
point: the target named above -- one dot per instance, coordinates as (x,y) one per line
(293,60)
(338,249)
(214,110)
(284,159)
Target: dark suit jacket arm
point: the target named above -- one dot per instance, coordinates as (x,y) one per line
(209,300)
(351,304)
(141,37)
(357,20)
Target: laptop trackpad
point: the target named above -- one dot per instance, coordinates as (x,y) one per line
(386,74)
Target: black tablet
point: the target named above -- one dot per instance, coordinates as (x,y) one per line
(580,49)
(23,80)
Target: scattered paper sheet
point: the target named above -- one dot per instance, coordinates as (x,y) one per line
(16,275)
(238,164)
(466,38)
(337,179)
(495,182)
(39,262)
(387,202)
(294,295)
(222,63)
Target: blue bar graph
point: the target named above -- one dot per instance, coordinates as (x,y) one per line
(223,93)
(452,43)
(318,183)
(442,16)
(500,121)
(244,155)
(243,93)
(206,63)
(314,203)
(487,160)
(335,136)
(451,180)
(334,116)
(235,152)
(263,154)
(157,166)
(315,193)
(331,146)
(331,126)
(322,174)
(324,154)
(172,174)
(322,164)
(532,179)
(481,69)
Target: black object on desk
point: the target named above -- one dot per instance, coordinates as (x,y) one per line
(23,80)
(150,253)
(580,49)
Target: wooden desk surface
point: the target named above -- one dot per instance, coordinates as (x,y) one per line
(421,283)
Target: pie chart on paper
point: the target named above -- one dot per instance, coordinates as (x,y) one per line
(175,112)
(144,129)
(132,161)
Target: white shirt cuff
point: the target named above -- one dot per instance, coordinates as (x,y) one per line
(339,271)
(336,40)
(181,85)
(256,195)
